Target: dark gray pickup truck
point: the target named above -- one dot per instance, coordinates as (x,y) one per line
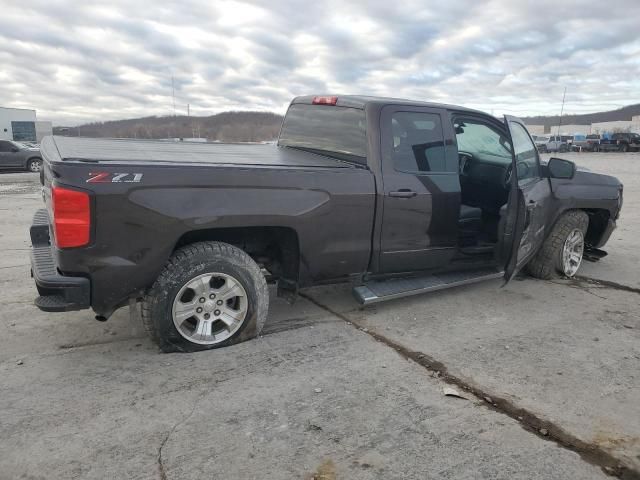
(397,197)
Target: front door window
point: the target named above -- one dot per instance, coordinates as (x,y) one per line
(526,154)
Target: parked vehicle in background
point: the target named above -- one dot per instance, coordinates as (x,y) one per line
(621,142)
(588,144)
(397,196)
(18,155)
(553,143)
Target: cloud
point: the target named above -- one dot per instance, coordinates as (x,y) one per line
(76,63)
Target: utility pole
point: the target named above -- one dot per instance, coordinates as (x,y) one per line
(173,95)
(188,110)
(562,110)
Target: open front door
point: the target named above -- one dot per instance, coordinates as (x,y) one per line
(528,204)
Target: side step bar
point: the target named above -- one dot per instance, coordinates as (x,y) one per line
(376,291)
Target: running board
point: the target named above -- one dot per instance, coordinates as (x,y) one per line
(376,291)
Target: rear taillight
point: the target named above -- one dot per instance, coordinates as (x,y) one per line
(71,217)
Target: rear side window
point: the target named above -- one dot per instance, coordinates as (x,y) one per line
(418,142)
(339,132)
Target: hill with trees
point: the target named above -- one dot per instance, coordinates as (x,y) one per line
(624,113)
(223,127)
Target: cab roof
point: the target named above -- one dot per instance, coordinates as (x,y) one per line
(362,101)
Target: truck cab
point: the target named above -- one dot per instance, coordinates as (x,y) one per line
(451,185)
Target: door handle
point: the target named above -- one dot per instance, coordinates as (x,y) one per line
(403,193)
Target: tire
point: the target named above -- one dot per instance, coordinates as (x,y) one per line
(205,264)
(34,165)
(548,262)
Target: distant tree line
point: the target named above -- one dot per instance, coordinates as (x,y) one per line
(223,127)
(624,113)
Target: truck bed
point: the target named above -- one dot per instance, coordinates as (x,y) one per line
(57,148)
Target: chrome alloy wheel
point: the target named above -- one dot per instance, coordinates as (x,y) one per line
(572,252)
(210,308)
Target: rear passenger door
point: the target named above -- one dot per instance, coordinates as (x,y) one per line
(421,190)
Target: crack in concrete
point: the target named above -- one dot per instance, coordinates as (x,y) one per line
(606,284)
(161,470)
(571,283)
(529,421)
(15,266)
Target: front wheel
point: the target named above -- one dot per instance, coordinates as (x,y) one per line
(34,165)
(562,251)
(210,295)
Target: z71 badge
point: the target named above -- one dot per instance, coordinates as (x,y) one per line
(107,177)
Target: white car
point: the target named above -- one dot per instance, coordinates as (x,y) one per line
(554,143)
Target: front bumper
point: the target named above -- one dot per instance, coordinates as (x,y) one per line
(58,293)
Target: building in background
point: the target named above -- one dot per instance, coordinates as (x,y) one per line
(605,128)
(570,129)
(21,125)
(536,129)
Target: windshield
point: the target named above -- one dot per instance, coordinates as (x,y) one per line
(19,145)
(339,132)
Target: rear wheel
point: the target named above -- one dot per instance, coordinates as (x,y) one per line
(562,251)
(209,295)
(34,165)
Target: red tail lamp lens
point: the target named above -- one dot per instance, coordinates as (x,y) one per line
(71,217)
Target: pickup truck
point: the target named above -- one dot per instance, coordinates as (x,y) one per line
(620,142)
(398,197)
(589,143)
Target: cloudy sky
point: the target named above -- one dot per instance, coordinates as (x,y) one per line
(85,61)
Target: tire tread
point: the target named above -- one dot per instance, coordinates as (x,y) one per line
(546,263)
(189,255)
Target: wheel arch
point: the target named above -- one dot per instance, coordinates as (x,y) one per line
(598,222)
(277,249)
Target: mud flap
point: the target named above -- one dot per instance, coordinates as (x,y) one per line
(288,290)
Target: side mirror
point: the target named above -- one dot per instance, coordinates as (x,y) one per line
(559,168)
(14,149)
